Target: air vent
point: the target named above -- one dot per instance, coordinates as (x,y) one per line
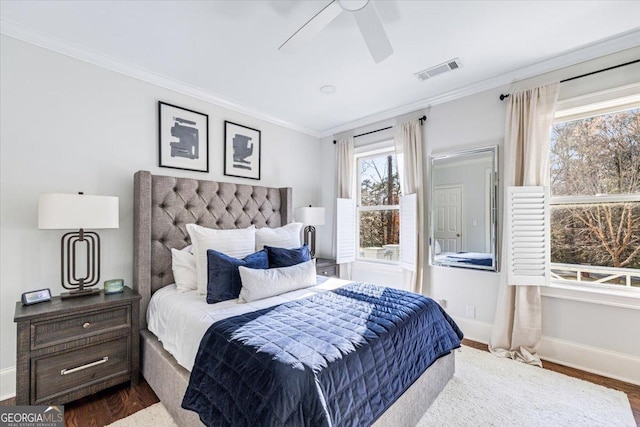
(429,73)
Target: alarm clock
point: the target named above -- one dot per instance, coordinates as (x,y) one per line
(34,297)
(113,286)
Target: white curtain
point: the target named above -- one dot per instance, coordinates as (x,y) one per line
(344,165)
(344,168)
(408,144)
(517,329)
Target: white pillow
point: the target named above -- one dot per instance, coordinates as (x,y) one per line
(438,248)
(183,264)
(258,284)
(237,243)
(287,236)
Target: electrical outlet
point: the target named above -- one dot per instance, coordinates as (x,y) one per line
(471,312)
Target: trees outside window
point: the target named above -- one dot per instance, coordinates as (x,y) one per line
(379,206)
(595,189)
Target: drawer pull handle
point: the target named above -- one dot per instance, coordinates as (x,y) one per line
(88,365)
(86,325)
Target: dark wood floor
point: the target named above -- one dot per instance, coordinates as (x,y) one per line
(107,406)
(115,403)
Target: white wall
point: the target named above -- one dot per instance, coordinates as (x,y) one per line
(591,336)
(69,126)
(474,121)
(576,332)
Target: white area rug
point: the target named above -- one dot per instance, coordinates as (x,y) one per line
(489,391)
(153,416)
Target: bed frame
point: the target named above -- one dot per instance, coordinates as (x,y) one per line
(162,207)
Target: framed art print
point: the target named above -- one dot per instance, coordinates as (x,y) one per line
(184,138)
(242,147)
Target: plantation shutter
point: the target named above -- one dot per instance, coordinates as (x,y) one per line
(345,231)
(527,236)
(408,231)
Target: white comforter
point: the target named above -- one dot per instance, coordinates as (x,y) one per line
(180,319)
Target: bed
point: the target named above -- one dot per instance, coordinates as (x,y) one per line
(162,207)
(465,258)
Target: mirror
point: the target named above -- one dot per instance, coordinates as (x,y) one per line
(464,209)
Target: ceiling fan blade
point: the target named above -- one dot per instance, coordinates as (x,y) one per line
(312,27)
(373,33)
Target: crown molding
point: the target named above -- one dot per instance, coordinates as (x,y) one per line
(587,52)
(47,41)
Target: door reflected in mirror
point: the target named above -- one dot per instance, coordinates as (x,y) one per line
(463,208)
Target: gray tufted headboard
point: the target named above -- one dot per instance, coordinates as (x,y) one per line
(163,205)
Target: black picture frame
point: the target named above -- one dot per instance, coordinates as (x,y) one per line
(242,151)
(183,138)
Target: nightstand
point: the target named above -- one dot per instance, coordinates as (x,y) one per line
(327,267)
(71,348)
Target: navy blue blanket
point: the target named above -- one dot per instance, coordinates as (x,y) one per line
(338,358)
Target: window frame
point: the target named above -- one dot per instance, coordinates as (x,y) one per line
(362,154)
(583,108)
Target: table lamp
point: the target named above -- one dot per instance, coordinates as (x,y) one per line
(78,212)
(310,216)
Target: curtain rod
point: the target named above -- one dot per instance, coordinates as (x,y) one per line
(505,96)
(421,119)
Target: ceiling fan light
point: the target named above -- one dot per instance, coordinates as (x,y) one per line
(352,5)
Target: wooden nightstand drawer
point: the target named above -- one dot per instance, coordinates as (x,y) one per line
(64,372)
(327,267)
(71,348)
(72,328)
(328,271)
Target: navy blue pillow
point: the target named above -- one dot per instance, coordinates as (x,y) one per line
(281,257)
(223,276)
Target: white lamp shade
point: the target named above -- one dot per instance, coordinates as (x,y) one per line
(74,211)
(310,215)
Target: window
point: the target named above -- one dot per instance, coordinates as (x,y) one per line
(595,198)
(378,206)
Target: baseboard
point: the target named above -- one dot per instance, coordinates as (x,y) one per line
(474,330)
(7,383)
(611,364)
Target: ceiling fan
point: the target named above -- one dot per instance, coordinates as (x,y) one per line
(366,17)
